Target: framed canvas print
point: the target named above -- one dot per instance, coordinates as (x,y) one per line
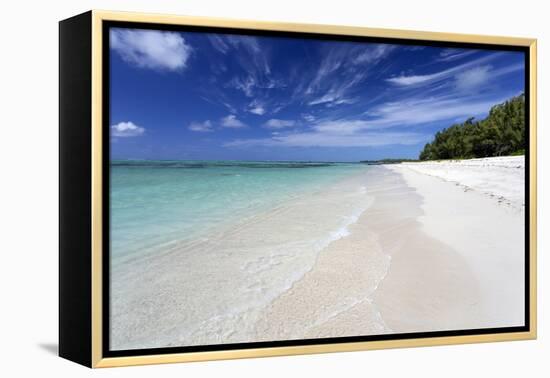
(235,189)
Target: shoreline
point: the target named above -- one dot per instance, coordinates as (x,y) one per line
(403,258)
(486,231)
(242,268)
(427,288)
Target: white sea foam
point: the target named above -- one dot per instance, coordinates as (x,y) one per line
(211,290)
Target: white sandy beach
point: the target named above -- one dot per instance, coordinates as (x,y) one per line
(399,248)
(476,207)
(502,178)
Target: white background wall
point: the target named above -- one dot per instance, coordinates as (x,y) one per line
(28,186)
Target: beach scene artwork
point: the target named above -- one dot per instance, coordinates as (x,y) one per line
(278,187)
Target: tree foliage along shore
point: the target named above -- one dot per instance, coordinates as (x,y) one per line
(502,132)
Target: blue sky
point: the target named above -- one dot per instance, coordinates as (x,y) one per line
(234,97)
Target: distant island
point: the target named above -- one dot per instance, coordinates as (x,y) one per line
(501,133)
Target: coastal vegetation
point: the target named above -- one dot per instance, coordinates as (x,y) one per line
(501,133)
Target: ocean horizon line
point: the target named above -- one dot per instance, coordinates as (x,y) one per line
(236,161)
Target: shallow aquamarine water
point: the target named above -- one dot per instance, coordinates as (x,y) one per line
(205,247)
(157,204)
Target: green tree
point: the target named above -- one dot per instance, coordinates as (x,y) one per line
(502,132)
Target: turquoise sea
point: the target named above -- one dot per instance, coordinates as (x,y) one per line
(157,204)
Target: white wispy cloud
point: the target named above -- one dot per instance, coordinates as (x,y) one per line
(215,96)
(340,69)
(473,78)
(417,111)
(448,55)
(373,53)
(335,82)
(316,139)
(252,69)
(411,80)
(329,64)
(126,129)
(157,50)
(507,69)
(256,107)
(245,41)
(333,98)
(229,107)
(201,127)
(257,60)
(275,123)
(244,84)
(231,121)
(339,73)
(258,110)
(309,117)
(339,92)
(218,43)
(372,131)
(342,127)
(479,77)
(278,107)
(404,80)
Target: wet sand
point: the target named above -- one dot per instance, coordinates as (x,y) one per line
(391,250)
(426,285)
